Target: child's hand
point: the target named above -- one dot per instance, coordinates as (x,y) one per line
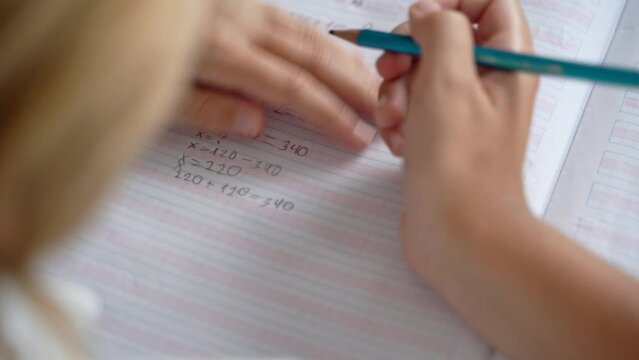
(397,71)
(256,54)
(467,229)
(466,128)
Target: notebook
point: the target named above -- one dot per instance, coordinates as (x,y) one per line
(287,245)
(596,200)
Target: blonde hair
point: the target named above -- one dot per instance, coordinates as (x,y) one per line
(83,85)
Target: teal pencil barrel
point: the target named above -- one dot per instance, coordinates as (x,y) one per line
(506,60)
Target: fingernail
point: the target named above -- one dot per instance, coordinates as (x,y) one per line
(364,132)
(397,142)
(423,8)
(246,123)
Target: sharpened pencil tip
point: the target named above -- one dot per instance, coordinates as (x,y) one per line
(348,35)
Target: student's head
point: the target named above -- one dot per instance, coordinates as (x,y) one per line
(83,84)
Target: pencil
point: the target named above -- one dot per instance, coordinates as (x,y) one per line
(498,59)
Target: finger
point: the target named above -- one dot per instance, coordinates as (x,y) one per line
(403,28)
(219,112)
(393,103)
(392,65)
(327,60)
(276,81)
(394,139)
(501,24)
(446,75)
(501,20)
(447,43)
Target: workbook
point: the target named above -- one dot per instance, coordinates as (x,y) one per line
(287,245)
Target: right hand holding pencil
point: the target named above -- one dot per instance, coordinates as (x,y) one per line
(467,229)
(463,129)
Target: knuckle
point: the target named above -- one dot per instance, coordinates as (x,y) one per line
(447,21)
(315,52)
(308,35)
(298,83)
(320,59)
(277,18)
(277,22)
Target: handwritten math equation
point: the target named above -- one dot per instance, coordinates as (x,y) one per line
(277,142)
(208,159)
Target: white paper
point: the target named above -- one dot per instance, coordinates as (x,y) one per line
(597,197)
(575,30)
(286,245)
(591,169)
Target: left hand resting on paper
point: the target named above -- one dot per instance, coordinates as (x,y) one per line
(255,54)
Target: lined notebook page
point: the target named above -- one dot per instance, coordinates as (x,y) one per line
(597,197)
(285,245)
(596,200)
(578,30)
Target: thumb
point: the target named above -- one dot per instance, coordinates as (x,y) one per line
(217,111)
(446,39)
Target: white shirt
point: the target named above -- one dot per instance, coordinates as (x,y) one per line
(23,327)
